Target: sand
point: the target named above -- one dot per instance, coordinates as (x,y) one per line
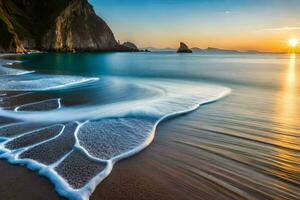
(137,178)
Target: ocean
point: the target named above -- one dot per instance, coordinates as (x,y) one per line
(231,122)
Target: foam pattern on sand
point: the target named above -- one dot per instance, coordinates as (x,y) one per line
(41,82)
(49,104)
(77,145)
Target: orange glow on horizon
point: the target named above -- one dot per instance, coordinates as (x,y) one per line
(252,41)
(239,39)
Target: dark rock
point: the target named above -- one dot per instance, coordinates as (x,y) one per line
(53,25)
(184,48)
(78,28)
(130,46)
(9,40)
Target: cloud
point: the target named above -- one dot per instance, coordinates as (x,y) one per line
(286,28)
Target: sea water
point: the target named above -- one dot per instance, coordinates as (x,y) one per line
(75,141)
(71,117)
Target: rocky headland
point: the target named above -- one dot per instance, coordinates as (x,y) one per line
(54,25)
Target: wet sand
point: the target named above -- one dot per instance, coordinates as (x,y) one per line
(216,152)
(245,146)
(141,177)
(18,183)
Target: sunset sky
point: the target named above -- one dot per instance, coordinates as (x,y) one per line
(264,25)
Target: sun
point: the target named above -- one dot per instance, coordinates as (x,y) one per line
(293,42)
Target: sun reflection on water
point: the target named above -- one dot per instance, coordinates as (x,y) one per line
(291,72)
(287,121)
(289,106)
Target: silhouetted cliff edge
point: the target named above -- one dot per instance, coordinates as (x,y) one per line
(53,25)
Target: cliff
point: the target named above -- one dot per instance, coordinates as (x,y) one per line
(53,25)
(9,39)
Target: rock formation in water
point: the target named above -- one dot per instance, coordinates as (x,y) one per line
(131,46)
(53,25)
(184,48)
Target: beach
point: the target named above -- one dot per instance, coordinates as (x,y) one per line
(168,169)
(149,100)
(244,146)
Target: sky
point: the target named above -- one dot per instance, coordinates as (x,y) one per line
(264,25)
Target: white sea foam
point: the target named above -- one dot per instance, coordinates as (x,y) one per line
(35,82)
(4,71)
(176,98)
(42,82)
(9,71)
(100,135)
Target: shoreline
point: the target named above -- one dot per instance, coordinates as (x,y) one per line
(135,178)
(230,150)
(59,185)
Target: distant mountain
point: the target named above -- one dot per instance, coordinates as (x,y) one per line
(160,49)
(255,52)
(53,25)
(197,50)
(211,50)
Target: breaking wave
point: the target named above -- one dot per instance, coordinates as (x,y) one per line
(73,129)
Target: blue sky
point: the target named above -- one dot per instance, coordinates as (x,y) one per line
(223,23)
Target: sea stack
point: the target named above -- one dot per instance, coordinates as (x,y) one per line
(184,48)
(53,25)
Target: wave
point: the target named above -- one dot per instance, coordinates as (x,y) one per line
(76,146)
(41,82)
(5,71)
